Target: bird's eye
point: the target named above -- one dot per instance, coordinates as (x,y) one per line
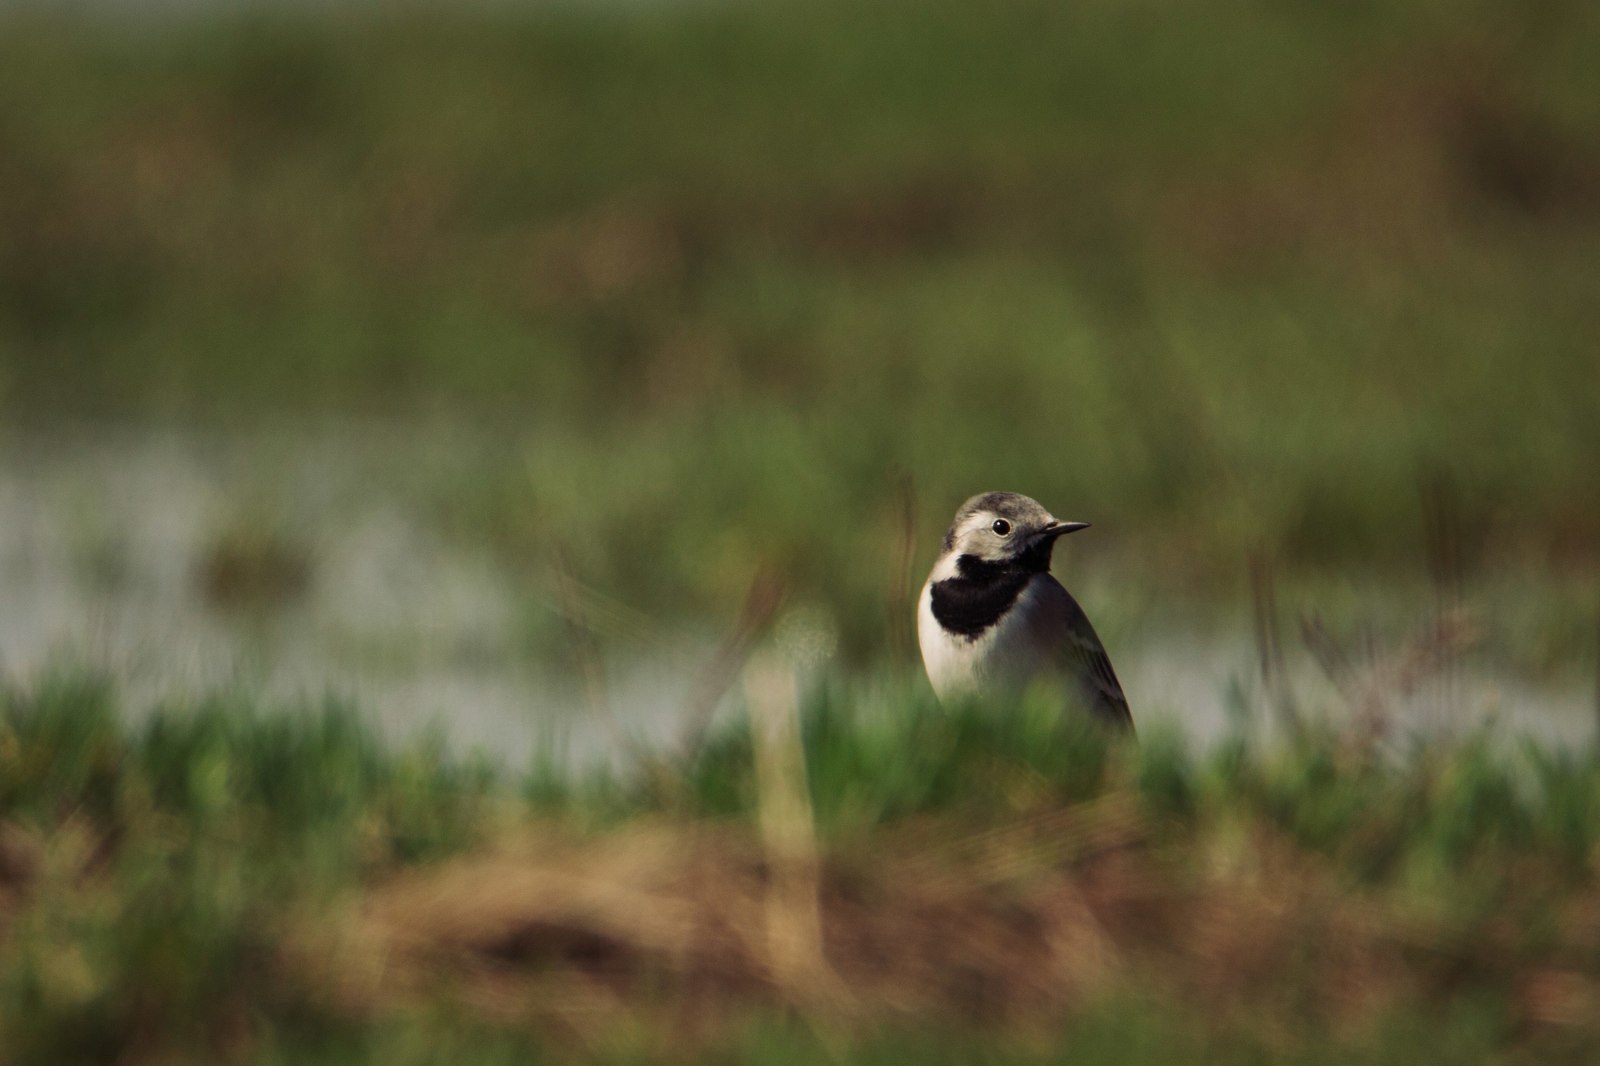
(1001,526)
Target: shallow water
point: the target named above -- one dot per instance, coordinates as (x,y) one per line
(107,540)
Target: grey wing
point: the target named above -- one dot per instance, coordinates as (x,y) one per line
(1081,654)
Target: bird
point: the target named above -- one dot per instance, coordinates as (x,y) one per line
(993,620)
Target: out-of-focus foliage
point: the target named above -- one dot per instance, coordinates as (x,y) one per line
(1211,277)
(150,873)
(243,883)
(686,291)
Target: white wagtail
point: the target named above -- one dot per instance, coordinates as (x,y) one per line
(991,618)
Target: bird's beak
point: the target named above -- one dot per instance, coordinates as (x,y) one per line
(1056,529)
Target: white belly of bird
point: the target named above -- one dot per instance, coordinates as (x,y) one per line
(1006,655)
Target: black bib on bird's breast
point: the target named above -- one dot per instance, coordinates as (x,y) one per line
(980,593)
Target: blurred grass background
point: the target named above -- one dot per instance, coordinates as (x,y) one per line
(715,280)
(237,881)
(649,298)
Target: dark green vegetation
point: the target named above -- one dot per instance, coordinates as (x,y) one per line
(1252,276)
(251,884)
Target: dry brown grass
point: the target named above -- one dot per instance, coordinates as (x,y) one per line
(668,927)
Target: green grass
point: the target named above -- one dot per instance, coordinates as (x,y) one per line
(686,291)
(157,863)
(200,883)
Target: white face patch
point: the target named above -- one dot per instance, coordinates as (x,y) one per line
(974,536)
(977,536)
(973,530)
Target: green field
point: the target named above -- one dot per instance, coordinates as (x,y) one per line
(866,881)
(668,308)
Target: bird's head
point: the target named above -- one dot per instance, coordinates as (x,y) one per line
(1004,528)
